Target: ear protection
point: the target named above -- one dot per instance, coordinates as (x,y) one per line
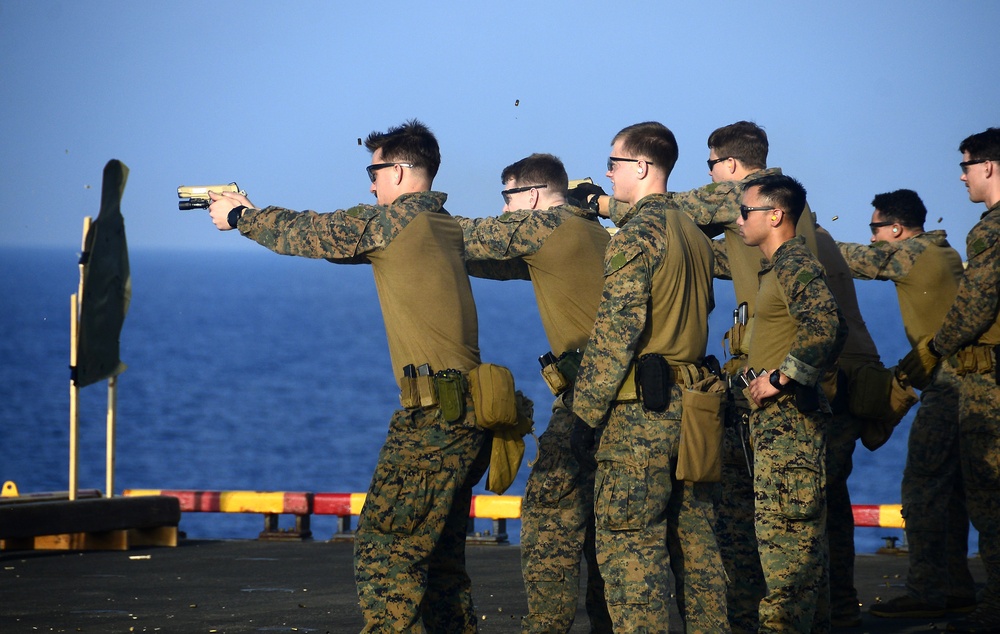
(774,217)
(895,229)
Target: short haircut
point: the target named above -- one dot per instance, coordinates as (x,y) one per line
(784,192)
(903,206)
(538,169)
(984,145)
(651,140)
(744,140)
(413,142)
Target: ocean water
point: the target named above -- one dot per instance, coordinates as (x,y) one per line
(248,370)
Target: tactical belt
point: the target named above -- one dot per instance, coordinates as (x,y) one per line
(975,359)
(684,374)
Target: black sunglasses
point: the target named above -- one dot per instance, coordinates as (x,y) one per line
(966,164)
(744,211)
(712,162)
(374,167)
(517,190)
(612,159)
(874,226)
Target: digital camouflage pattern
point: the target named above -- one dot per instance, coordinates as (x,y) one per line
(972,319)
(649,523)
(561,249)
(653,236)
(805,330)
(734,526)
(410,543)
(715,208)
(933,496)
(557,528)
(926,272)
(799,330)
(409,547)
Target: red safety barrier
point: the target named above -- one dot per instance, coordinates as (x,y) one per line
(344,506)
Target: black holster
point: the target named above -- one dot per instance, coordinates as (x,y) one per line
(653,379)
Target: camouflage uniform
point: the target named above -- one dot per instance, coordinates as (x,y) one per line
(972,326)
(926,272)
(799,330)
(410,542)
(715,208)
(562,250)
(657,296)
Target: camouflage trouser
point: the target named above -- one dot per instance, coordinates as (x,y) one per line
(649,524)
(734,528)
(937,521)
(979,448)
(409,551)
(557,529)
(842,438)
(790,514)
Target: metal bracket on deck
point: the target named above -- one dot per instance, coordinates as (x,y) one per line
(272,532)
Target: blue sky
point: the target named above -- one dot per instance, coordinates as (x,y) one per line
(857,98)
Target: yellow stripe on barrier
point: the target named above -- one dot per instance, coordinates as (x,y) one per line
(498,506)
(251,502)
(357,501)
(891,516)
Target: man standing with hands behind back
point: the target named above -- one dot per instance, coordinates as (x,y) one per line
(409,550)
(798,333)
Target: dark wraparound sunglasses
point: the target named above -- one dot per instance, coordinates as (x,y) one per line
(744,211)
(517,190)
(374,167)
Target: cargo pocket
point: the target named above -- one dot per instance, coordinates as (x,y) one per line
(982,461)
(552,478)
(620,491)
(403,491)
(800,493)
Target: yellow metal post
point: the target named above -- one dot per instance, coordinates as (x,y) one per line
(74,392)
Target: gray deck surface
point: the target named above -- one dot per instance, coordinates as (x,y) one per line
(256,586)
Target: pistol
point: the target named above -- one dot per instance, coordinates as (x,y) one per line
(196,196)
(580,181)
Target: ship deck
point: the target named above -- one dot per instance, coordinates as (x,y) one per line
(260,586)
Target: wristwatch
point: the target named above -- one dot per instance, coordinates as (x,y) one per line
(235,214)
(775,380)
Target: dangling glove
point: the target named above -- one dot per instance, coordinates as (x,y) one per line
(918,364)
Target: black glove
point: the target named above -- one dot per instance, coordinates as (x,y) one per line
(583,191)
(582,441)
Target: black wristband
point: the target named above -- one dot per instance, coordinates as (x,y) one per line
(775,380)
(235,214)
